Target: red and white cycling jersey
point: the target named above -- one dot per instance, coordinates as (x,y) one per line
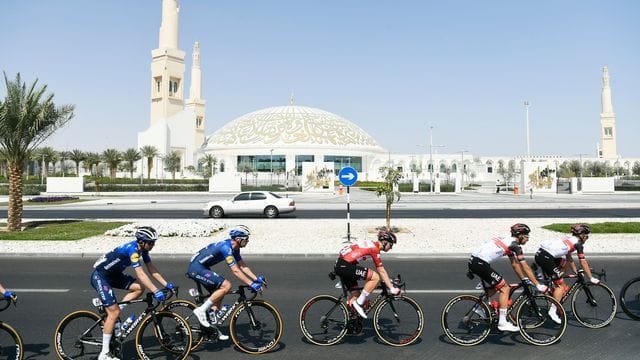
(498,247)
(563,246)
(360,251)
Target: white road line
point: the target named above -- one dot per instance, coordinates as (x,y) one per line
(40,290)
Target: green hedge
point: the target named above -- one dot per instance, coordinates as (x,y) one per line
(27,189)
(143,188)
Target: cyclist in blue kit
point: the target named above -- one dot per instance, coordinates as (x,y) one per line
(200,270)
(108,274)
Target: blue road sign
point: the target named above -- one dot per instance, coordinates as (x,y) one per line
(348,176)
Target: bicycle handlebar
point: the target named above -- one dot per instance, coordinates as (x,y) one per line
(8,303)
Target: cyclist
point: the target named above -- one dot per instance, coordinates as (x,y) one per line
(497,247)
(200,270)
(7,294)
(350,272)
(554,257)
(108,274)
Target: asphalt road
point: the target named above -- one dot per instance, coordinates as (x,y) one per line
(51,287)
(151,213)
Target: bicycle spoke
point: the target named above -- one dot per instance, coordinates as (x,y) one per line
(256,328)
(323,320)
(399,321)
(594,306)
(166,337)
(466,321)
(536,325)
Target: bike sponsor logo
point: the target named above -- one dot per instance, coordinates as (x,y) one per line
(135,257)
(141,352)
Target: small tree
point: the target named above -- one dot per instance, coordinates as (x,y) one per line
(149,151)
(113,158)
(77,156)
(636,168)
(388,188)
(48,155)
(209,161)
(131,156)
(172,163)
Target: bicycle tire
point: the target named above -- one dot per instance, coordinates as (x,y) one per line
(165,335)
(11,347)
(78,336)
(323,320)
(185,308)
(394,312)
(536,326)
(594,315)
(464,326)
(258,337)
(630,298)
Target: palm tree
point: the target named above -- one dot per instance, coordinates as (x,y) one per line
(210,162)
(63,156)
(48,155)
(77,156)
(172,163)
(131,155)
(149,151)
(113,158)
(90,160)
(388,189)
(28,117)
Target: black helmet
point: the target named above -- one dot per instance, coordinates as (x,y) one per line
(519,229)
(579,229)
(146,234)
(387,235)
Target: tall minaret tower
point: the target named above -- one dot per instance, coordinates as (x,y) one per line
(167,67)
(607,121)
(195,101)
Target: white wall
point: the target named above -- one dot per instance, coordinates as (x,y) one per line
(71,184)
(597,185)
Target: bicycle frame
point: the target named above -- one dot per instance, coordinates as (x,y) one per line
(384,294)
(526,294)
(580,281)
(200,297)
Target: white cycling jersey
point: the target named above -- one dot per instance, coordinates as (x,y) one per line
(563,246)
(496,248)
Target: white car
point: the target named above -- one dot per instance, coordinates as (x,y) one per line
(251,203)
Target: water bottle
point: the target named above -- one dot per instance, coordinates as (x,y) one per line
(128,322)
(223,310)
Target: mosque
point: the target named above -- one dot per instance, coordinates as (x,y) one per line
(303,143)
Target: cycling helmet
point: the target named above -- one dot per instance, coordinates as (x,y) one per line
(146,234)
(240,231)
(579,229)
(519,229)
(387,235)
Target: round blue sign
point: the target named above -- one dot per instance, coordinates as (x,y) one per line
(348,176)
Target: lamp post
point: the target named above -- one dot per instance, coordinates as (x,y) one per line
(430,165)
(271,167)
(526,106)
(462,169)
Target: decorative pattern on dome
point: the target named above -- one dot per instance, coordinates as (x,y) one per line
(291,125)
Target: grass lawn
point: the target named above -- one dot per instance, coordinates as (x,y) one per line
(601,228)
(60,230)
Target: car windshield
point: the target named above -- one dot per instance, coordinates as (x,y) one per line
(275,195)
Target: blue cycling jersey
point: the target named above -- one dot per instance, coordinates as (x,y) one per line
(117,260)
(215,253)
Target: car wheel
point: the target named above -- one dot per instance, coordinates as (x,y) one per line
(271,211)
(216,212)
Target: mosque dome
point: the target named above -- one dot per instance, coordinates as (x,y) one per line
(292,126)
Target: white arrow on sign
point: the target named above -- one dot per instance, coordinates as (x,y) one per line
(348,176)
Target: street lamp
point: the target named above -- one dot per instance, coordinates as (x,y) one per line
(430,166)
(526,106)
(462,169)
(271,166)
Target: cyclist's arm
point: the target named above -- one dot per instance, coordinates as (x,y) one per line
(246,270)
(523,270)
(153,270)
(2,289)
(572,264)
(384,276)
(237,272)
(585,266)
(144,279)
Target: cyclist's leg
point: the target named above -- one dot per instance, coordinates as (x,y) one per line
(496,282)
(553,268)
(212,282)
(107,297)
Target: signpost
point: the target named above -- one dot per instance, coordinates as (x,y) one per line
(348,176)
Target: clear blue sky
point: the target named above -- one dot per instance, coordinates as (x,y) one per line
(392,67)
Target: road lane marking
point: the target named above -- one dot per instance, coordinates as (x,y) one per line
(40,290)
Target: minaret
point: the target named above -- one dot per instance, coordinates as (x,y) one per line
(167,67)
(607,121)
(195,101)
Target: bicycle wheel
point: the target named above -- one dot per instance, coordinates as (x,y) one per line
(466,320)
(78,336)
(163,335)
(594,305)
(255,327)
(10,343)
(185,308)
(398,321)
(630,298)
(536,326)
(323,320)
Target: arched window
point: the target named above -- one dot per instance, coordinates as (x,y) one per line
(221,166)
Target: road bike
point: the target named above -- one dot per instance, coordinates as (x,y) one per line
(593,305)
(255,325)
(630,298)
(10,340)
(468,319)
(398,320)
(159,335)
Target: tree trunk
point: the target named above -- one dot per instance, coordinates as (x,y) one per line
(388,216)
(14,210)
(149,166)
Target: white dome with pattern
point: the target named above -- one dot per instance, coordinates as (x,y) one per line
(292,126)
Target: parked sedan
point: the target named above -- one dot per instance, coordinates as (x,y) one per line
(251,203)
